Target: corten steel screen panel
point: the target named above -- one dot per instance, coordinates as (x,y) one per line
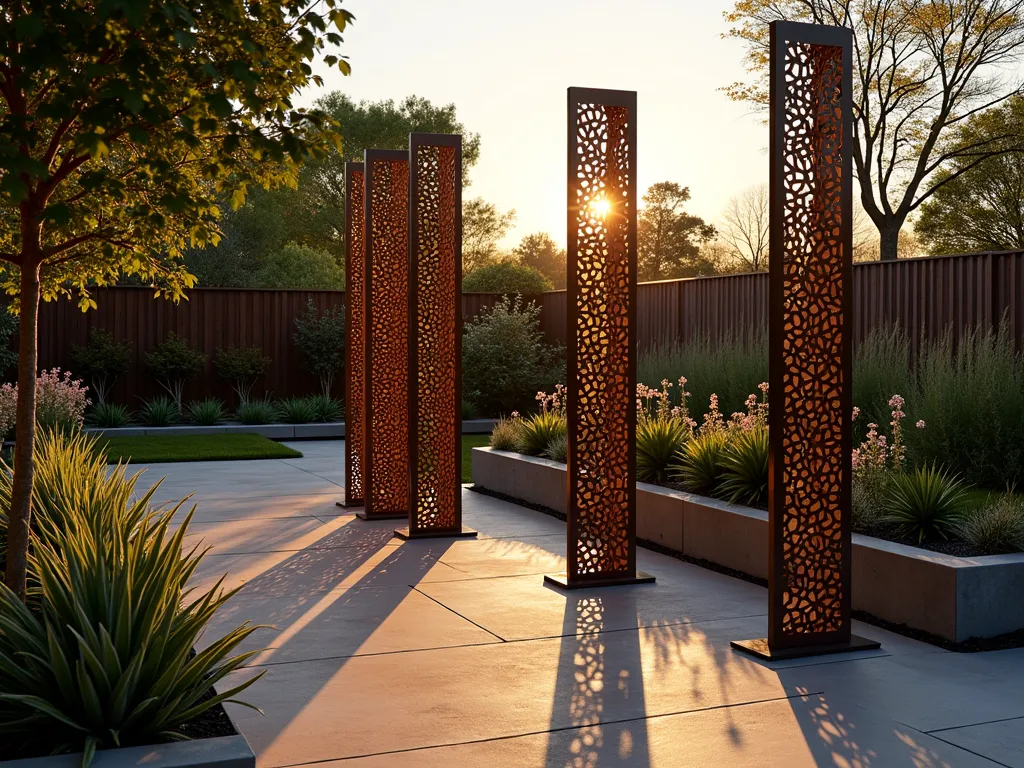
(810,341)
(601,329)
(386,490)
(355,328)
(435,322)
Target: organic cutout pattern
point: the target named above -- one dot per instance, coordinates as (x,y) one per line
(388,307)
(602,401)
(355,350)
(435,408)
(813,467)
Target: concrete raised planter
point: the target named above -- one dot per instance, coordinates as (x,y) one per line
(222,752)
(955,598)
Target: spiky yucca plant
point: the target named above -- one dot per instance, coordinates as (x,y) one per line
(538,431)
(658,440)
(745,467)
(928,502)
(698,465)
(102,656)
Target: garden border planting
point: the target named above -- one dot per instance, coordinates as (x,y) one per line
(316,431)
(955,598)
(218,752)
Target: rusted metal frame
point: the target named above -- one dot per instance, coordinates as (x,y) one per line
(355,339)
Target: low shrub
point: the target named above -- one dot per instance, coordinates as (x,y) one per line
(505,360)
(326,409)
(257,412)
(296,410)
(506,433)
(103,656)
(321,338)
(996,528)
(925,503)
(101,360)
(558,448)
(109,415)
(172,363)
(744,478)
(206,413)
(537,432)
(698,466)
(242,366)
(658,441)
(469,410)
(60,401)
(159,412)
(506,277)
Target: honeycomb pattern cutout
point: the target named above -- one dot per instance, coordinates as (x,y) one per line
(438,303)
(355,297)
(388,307)
(601,397)
(814,468)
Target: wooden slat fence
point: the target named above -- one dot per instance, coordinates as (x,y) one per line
(925,296)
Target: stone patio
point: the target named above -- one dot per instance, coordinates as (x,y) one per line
(453,653)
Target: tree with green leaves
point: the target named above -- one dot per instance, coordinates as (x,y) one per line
(101,361)
(506,277)
(300,266)
(923,68)
(321,338)
(669,239)
(123,127)
(543,254)
(981,207)
(483,227)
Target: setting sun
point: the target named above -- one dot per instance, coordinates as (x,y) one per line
(600,207)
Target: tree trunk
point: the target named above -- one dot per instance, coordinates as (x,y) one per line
(889,242)
(20,516)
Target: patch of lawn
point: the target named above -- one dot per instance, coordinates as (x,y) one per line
(168,448)
(469,442)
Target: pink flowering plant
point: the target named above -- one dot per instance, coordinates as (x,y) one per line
(60,402)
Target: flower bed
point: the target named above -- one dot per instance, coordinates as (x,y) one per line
(894,498)
(954,598)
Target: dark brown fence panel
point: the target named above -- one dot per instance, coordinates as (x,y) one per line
(209,319)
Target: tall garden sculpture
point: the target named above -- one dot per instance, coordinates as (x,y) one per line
(810,345)
(435,337)
(601,407)
(386,334)
(355,350)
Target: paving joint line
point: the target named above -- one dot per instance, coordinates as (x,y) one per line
(416,589)
(957,746)
(561,729)
(969,725)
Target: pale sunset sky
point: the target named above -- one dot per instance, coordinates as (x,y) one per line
(506,67)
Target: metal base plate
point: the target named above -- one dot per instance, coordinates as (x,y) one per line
(759,648)
(346,504)
(382,516)
(561,581)
(405,535)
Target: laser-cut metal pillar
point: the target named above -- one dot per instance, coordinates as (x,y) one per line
(386,415)
(601,396)
(355,339)
(810,343)
(435,337)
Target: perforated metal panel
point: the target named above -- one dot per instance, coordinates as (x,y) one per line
(435,322)
(355,329)
(387,332)
(602,335)
(810,339)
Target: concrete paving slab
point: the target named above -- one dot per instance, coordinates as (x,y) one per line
(1001,741)
(548,612)
(228,509)
(489,691)
(802,732)
(344,622)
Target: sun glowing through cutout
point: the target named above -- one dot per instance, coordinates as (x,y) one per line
(600,207)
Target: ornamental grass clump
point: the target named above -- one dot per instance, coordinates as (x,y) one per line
(206,413)
(159,412)
(296,410)
(506,433)
(926,503)
(538,432)
(257,412)
(997,528)
(326,409)
(102,654)
(109,416)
